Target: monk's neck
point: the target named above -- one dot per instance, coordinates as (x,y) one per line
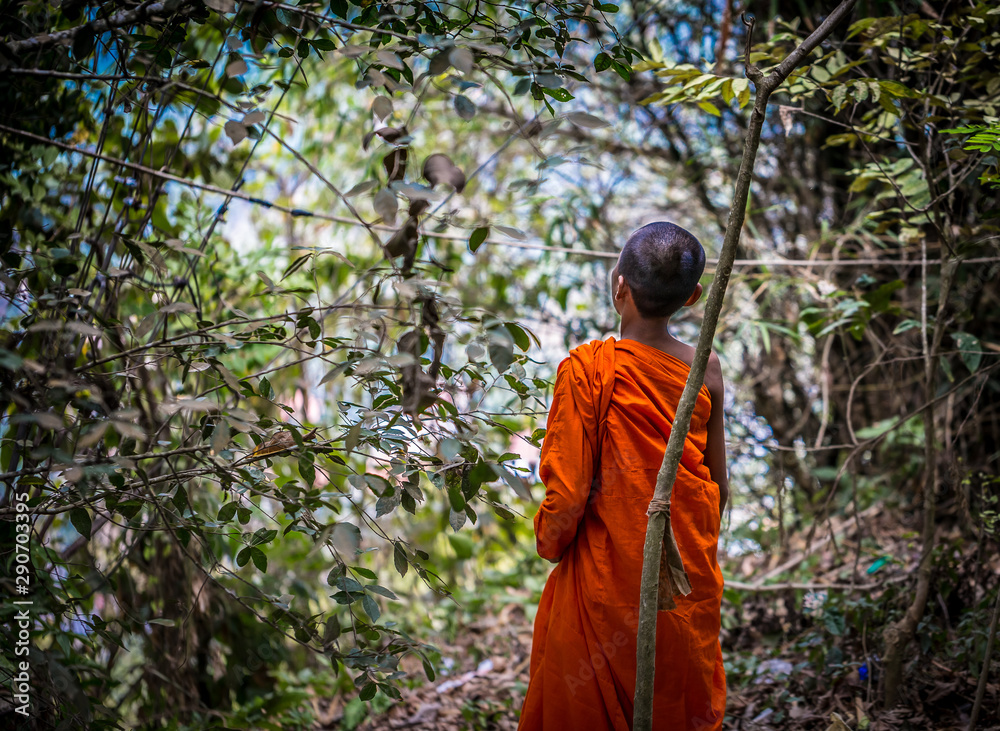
(648,331)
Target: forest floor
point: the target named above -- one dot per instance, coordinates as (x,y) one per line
(790,667)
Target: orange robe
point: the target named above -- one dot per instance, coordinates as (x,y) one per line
(583,655)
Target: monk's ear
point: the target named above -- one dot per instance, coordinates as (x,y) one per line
(695,296)
(621,288)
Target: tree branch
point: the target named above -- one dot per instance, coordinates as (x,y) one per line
(121,19)
(780,72)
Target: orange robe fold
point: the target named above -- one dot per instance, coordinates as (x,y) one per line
(611,413)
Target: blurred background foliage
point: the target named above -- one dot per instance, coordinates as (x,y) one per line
(285,286)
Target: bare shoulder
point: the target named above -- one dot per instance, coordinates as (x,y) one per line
(713,375)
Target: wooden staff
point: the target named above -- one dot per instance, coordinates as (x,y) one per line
(659,509)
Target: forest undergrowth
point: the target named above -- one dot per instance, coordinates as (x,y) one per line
(796,658)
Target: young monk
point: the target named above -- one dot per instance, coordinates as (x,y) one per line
(607,430)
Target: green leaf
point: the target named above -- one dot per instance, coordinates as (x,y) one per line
(227,511)
(875,430)
(602,62)
(80,519)
(727,92)
(399,559)
(820,74)
(307,470)
(710,108)
(861,91)
(381,591)
(263,535)
(481,473)
(970,349)
(371,608)
(905,325)
(259,559)
(387,503)
(243,556)
(839,96)
(587,121)
(742,89)
(346,583)
(521,338)
(880,299)
(368,692)
(514,482)
(464,106)
(503,513)
(624,71)
(560,95)
(501,349)
(961,130)
(180,499)
(428,668)
(456,498)
(894,88)
(332,630)
(861,26)
(478,237)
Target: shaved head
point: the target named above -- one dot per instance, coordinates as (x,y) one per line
(662,263)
